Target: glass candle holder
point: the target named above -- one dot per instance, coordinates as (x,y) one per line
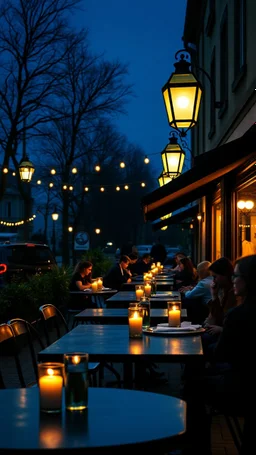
(147,289)
(174,312)
(100,283)
(153,286)
(76,381)
(50,382)
(145,305)
(139,291)
(135,319)
(95,285)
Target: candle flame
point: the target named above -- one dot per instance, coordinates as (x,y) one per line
(50,371)
(136,315)
(76,359)
(174,307)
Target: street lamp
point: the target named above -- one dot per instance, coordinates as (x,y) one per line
(173,158)
(55,216)
(182,94)
(26,168)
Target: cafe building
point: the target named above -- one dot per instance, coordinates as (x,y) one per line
(217,196)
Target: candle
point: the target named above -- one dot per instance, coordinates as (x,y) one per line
(158,264)
(50,387)
(100,284)
(174,316)
(94,286)
(135,325)
(139,293)
(147,289)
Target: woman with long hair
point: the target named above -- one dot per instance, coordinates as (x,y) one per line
(187,275)
(82,276)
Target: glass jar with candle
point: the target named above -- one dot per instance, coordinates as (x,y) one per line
(95,285)
(50,382)
(135,319)
(174,311)
(100,283)
(145,305)
(153,286)
(147,289)
(139,291)
(76,381)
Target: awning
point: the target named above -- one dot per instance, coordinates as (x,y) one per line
(191,212)
(202,178)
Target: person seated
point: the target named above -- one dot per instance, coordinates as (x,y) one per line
(176,262)
(133,260)
(82,276)
(222,299)
(118,275)
(158,252)
(196,298)
(187,276)
(143,264)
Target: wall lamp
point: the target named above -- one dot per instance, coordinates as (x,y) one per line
(245,207)
(200,217)
(182,93)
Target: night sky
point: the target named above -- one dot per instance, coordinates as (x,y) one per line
(145,34)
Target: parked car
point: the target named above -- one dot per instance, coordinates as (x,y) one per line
(21,260)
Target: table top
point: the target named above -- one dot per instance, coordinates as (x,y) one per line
(112,421)
(111,343)
(122,299)
(121,315)
(89,292)
(161,284)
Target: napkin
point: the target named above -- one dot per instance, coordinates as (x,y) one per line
(105,289)
(185,326)
(159,296)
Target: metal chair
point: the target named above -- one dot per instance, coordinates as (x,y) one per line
(54,323)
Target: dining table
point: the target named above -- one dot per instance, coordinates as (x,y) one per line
(97,298)
(122,299)
(115,420)
(161,284)
(120,315)
(111,343)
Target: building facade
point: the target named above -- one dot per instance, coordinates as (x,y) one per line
(220,36)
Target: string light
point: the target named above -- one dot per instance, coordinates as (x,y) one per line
(102,189)
(14,173)
(70,229)
(39,182)
(5,170)
(146,160)
(143,184)
(118,188)
(53,172)
(70,188)
(97,231)
(17,223)
(126,187)
(51,185)
(97,168)
(86,188)
(64,187)
(122,165)
(74,170)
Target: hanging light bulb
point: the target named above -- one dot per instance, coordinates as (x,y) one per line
(126,187)
(97,231)
(5,170)
(97,168)
(102,189)
(39,182)
(70,188)
(14,173)
(51,185)
(64,187)
(122,165)
(86,188)
(53,172)
(143,184)
(74,170)
(146,160)
(70,229)
(118,188)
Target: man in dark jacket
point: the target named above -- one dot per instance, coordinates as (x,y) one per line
(117,275)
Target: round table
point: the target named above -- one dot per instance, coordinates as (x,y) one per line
(115,419)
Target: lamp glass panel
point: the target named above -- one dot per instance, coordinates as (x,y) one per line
(167,105)
(183,99)
(26,173)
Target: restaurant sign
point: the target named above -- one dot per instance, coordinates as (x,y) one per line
(82,241)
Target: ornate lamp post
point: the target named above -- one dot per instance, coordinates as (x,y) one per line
(55,217)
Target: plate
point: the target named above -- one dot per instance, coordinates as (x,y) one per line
(106,289)
(177,333)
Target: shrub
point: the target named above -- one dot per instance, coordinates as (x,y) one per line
(101,263)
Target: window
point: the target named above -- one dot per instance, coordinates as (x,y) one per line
(246,219)
(213,92)
(239,42)
(224,54)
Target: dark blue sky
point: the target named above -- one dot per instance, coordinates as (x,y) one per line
(145,34)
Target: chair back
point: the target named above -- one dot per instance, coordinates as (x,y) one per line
(8,348)
(27,337)
(53,321)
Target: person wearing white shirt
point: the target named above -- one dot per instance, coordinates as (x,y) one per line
(201,292)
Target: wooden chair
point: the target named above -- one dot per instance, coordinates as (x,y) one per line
(54,324)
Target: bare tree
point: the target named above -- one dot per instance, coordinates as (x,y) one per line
(33,43)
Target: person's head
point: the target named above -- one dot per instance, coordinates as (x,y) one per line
(84,268)
(133,258)
(222,271)
(179,256)
(203,269)
(244,276)
(186,264)
(146,258)
(124,261)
